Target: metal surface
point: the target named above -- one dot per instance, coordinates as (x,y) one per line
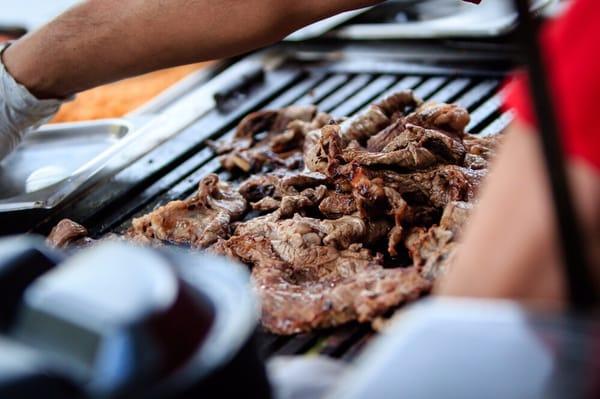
(438,19)
(65,147)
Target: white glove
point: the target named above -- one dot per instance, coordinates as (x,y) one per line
(20,111)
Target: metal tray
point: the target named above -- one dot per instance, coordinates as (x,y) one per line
(434,19)
(75,149)
(320,28)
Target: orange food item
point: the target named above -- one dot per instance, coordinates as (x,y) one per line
(117,99)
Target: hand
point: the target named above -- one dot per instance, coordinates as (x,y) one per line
(20,111)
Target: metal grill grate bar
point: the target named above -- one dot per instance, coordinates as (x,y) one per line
(292,95)
(323,90)
(480,91)
(484,112)
(346,91)
(499,124)
(451,90)
(353,104)
(430,86)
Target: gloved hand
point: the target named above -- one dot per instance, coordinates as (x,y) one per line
(20,111)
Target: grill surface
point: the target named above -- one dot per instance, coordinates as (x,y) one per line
(173,170)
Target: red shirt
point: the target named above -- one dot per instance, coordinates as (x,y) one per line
(572,50)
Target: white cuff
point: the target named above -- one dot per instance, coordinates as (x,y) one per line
(20,111)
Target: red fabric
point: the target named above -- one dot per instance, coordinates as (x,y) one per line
(571,45)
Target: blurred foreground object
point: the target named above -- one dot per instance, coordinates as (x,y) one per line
(460,348)
(118,321)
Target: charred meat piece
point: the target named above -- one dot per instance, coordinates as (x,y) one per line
(447,117)
(480,150)
(71,235)
(266,121)
(247,129)
(377,117)
(356,289)
(433,249)
(435,187)
(68,233)
(379,141)
(414,148)
(291,236)
(198,221)
(289,205)
(294,135)
(278,184)
(325,154)
(369,194)
(336,205)
(271,139)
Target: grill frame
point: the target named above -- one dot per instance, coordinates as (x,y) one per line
(342,87)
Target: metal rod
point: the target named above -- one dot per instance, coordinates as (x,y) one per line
(582,293)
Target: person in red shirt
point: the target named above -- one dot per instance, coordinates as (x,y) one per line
(511,249)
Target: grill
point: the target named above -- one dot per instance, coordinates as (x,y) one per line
(341,87)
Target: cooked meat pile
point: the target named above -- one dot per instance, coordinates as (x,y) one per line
(339,220)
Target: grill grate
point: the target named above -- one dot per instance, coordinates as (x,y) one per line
(173,170)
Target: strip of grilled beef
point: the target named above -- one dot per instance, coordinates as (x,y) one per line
(68,233)
(198,221)
(377,117)
(433,249)
(280,145)
(413,149)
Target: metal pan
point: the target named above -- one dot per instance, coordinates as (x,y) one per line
(45,165)
(435,19)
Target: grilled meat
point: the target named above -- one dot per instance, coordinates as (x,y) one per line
(480,150)
(279,183)
(436,187)
(415,148)
(341,207)
(336,205)
(379,141)
(377,117)
(311,273)
(449,118)
(298,302)
(289,205)
(67,233)
(433,249)
(198,221)
(270,139)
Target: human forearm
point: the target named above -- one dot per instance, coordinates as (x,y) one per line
(105,40)
(510,248)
